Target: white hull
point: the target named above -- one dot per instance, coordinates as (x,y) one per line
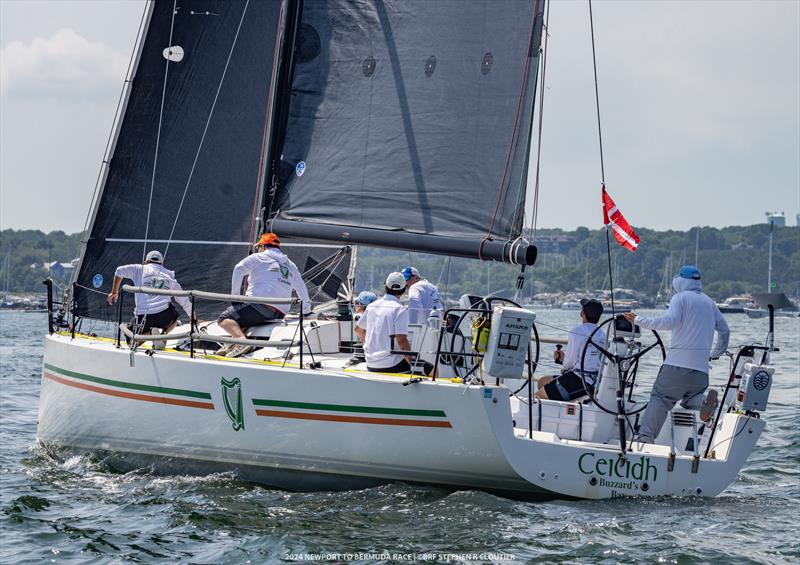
(388,438)
(762,313)
(339,429)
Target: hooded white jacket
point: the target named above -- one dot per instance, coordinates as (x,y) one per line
(271,274)
(693,317)
(423,296)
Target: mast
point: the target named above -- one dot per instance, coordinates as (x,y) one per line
(280,90)
(769,262)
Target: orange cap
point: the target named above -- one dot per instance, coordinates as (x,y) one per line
(269,239)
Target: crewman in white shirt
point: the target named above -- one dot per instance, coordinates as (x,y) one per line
(576,381)
(693,317)
(383,327)
(151,310)
(270,273)
(423,297)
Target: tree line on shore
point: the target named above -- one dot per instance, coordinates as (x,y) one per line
(733,261)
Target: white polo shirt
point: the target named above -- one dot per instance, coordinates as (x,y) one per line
(384,318)
(576,342)
(423,296)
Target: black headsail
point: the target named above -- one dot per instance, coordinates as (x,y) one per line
(408,125)
(209,135)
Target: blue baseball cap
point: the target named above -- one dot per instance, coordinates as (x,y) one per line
(409,272)
(689,272)
(366,297)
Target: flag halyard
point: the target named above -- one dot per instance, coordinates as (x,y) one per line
(623,232)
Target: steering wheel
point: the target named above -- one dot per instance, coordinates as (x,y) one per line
(627,367)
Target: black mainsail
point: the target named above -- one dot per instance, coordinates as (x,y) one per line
(408,125)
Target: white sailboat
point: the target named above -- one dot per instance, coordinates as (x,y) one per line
(294,414)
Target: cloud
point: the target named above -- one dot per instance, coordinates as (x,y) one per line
(65,62)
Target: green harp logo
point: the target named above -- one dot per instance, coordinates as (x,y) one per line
(232,399)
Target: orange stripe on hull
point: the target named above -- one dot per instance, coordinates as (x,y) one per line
(131,395)
(354,419)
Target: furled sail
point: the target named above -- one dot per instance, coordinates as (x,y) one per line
(184,175)
(408,125)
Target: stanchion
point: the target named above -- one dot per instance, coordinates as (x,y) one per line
(120,299)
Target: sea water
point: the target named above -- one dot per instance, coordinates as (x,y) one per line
(78,510)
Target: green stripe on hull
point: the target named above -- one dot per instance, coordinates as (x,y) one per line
(132,386)
(349,408)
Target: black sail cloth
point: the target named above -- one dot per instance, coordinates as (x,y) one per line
(410,121)
(213,229)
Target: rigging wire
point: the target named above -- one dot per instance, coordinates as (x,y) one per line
(523,180)
(158,132)
(535,204)
(602,164)
(512,143)
(256,220)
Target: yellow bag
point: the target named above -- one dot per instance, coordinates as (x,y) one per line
(480,334)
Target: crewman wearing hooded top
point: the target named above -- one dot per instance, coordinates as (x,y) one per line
(423,297)
(692,317)
(271,274)
(151,310)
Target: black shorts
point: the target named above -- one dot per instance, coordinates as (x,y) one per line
(567,382)
(160,320)
(249,315)
(402,367)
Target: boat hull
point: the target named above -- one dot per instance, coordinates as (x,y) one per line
(596,471)
(285,427)
(335,429)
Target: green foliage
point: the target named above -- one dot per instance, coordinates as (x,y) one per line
(24,248)
(733,261)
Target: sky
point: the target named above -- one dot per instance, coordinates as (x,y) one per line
(699,104)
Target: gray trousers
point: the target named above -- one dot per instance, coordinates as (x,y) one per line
(672,384)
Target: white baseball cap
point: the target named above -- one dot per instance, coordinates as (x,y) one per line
(154,257)
(396,281)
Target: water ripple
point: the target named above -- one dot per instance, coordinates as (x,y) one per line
(77,509)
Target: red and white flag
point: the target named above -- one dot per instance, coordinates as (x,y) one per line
(623,232)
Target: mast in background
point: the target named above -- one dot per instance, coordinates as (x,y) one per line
(769,263)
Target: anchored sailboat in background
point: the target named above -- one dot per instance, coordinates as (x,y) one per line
(334,123)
